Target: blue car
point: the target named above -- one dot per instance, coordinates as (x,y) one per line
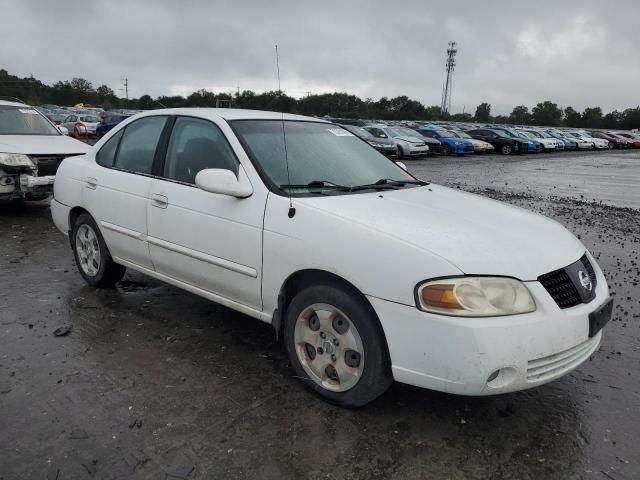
(533,145)
(450,143)
(108,123)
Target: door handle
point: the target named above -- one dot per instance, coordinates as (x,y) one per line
(91,183)
(159,201)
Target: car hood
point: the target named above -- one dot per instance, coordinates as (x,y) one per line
(479,143)
(41,144)
(410,139)
(478,235)
(382,141)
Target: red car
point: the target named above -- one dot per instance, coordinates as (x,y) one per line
(633,139)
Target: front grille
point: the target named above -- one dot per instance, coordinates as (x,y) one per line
(561,288)
(565,287)
(47,164)
(545,368)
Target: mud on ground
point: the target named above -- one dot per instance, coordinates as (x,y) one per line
(153,382)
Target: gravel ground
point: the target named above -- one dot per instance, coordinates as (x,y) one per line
(153,382)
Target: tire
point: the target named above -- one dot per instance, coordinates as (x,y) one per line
(400,153)
(446,149)
(506,149)
(92,255)
(319,314)
(610,145)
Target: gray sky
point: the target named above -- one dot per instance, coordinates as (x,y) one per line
(578,53)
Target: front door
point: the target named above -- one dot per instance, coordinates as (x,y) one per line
(207,240)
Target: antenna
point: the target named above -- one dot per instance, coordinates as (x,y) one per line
(292,211)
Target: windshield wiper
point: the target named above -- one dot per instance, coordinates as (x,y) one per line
(386,183)
(316,184)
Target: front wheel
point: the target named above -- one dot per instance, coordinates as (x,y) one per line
(92,255)
(336,345)
(446,149)
(610,145)
(400,152)
(506,149)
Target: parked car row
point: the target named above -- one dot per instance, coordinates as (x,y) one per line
(414,139)
(86,121)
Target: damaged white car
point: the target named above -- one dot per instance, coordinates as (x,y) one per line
(31,150)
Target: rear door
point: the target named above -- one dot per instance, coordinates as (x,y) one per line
(116,188)
(207,240)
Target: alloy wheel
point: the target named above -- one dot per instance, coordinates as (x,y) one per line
(88,250)
(329,347)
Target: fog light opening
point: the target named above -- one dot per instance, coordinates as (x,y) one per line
(501,378)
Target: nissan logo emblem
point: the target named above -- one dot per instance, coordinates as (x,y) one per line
(585,281)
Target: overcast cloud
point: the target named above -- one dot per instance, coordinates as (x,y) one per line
(578,53)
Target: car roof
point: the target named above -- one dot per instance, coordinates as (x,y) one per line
(232,114)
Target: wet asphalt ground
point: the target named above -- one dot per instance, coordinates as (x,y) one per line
(153,382)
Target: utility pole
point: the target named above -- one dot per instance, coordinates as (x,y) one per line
(125,82)
(448,85)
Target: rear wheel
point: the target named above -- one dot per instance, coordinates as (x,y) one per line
(336,345)
(92,255)
(506,149)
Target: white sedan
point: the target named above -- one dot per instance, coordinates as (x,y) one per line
(367,273)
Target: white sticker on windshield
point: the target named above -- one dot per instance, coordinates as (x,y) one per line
(28,110)
(340,132)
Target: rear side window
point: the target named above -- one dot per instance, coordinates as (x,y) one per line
(107,154)
(138,144)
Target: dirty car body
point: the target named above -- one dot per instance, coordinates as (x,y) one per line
(355,262)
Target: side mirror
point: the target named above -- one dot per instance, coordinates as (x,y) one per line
(63,130)
(224,182)
(401,165)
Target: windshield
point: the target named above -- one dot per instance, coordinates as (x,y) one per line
(359,131)
(24,121)
(316,152)
(461,134)
(525,134)
(500,133)
(402,132)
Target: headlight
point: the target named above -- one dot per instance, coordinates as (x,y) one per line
(376,144)
(475,297)
(15,160)
(457,144)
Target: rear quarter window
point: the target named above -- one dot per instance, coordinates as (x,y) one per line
(107,154)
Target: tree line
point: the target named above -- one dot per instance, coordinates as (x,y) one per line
(337,104)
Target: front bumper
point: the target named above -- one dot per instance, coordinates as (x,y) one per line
(417,151)
(460,355)
(31,185)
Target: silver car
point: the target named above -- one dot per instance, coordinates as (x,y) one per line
(90,122)
(406,144)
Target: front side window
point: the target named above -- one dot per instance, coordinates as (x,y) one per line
(316,152)
(25,120)
(139,143)
(195,145)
